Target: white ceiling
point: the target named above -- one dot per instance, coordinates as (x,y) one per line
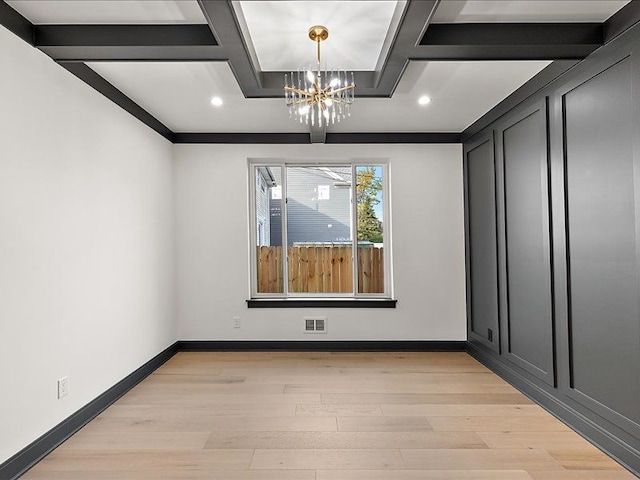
(109,11)
(179,94)
(357,30)
(187,11)
(469,11)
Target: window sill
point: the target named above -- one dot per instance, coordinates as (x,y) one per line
(321,303)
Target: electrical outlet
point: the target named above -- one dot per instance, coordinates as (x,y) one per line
(236,322)
(63,387)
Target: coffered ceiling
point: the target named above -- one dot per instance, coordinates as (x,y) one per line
(163,61)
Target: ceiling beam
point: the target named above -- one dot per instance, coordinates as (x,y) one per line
(509,41)
(414,23)
(16,23)
(128,42)
(622,20)
(89,76)
(225,27)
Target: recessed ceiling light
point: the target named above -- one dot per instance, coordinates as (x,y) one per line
(216,101)
(424,100)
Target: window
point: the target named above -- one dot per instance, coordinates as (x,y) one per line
(320,230)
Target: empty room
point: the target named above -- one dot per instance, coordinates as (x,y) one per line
(320,240)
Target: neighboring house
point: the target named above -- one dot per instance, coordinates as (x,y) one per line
(264,182)
(318,206)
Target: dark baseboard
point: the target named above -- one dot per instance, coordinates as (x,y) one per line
(322,346)
(33,453)
(587,427)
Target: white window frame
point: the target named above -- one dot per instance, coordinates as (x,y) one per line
(254,164)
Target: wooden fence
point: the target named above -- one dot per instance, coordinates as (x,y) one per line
(320,269)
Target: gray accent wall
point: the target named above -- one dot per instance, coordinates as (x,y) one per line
(523,165)
(553,258)
(481,225)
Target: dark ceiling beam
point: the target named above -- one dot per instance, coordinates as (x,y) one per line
(124,35)
(128,42)
(509,41)
(304,138)
(225,27)
(242,138)
(464,53)
(273,82)
(89,76)
(16,23)
(395,137)
(622,20)
(413,24)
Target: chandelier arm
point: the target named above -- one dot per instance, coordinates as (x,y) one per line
(298,91)
(341,89)
(300,102)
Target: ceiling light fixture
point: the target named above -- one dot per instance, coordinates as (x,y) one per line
(216,101)
(321,96)
(424,100)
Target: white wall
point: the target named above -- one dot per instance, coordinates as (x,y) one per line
(86,249)
(211,184)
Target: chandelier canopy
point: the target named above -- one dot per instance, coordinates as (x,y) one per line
(319,97)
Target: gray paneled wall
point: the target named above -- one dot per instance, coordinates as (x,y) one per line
(553,246)
(481,223)
(602,245)
(523,158)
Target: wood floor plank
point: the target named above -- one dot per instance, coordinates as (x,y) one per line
(367,387)
(463,410)
(559,440)
(205,399)
(383,424)
(121,463)
(223,409)
(582,475)
(423,475)
(494,424)
(435,398)
(583,459)
(155,441)
(343,440)
(514,459)
(174,474)
(327,459)
(478,378)
(210,423)
(338,411)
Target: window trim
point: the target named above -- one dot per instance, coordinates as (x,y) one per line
(366,300)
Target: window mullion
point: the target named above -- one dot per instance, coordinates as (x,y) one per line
(285,241)
(354,228)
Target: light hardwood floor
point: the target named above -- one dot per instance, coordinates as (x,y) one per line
(326,416)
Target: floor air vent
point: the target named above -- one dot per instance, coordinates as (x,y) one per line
(315,324)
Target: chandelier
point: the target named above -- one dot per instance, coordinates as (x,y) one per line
(318,96)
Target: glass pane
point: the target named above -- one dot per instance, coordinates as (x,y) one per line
(269,255)
(319,226)
(370,229)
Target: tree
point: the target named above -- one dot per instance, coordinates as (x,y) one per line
(368,187)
